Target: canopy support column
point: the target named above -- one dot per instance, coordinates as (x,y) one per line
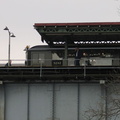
(65,62)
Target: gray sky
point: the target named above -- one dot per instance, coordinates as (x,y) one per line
(20,15)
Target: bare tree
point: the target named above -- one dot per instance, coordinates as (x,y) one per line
(109,106)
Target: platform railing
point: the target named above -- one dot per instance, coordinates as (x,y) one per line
(62,62)
(41,64)
(84,63)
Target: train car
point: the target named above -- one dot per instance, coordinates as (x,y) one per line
(43,55)
(46,56)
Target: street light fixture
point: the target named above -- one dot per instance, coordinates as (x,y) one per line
(10,35)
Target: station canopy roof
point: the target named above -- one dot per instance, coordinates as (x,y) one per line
(80,34)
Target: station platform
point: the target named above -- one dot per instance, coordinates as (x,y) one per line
(57,74)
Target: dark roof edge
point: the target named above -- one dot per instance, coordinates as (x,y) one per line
(76,24)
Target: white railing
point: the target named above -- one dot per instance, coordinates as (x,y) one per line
(84,62)
(63,62)
(14,62)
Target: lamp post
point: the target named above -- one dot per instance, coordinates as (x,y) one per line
(10,35)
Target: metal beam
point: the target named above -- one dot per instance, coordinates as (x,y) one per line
(2,103)
(81,29)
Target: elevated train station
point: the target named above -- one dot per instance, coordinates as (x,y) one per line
(50,87)
(100,42)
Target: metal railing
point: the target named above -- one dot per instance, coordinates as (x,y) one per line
(41,64)
(63,62)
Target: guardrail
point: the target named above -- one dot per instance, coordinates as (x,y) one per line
(42,65)
(63,62)
(14,62)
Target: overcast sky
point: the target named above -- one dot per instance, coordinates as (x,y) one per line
(20,15)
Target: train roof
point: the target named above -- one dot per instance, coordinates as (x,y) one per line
(47,48)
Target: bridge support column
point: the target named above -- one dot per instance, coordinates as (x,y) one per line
(2,102)
(104,99)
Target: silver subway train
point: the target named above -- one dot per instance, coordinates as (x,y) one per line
(43,55)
